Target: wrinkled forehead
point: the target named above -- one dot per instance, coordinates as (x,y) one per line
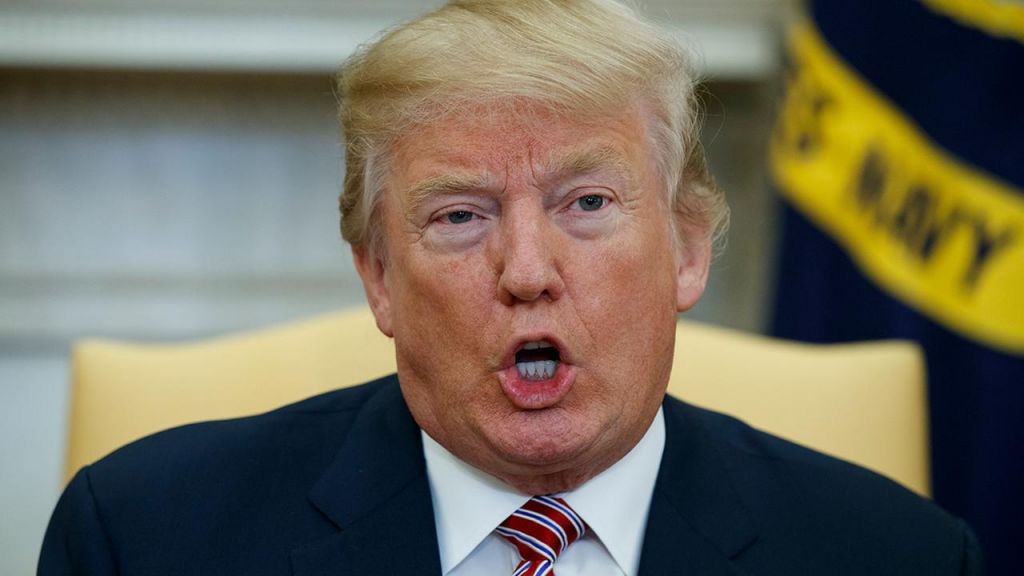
(501,142)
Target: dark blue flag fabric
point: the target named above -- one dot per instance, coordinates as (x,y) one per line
(899,155)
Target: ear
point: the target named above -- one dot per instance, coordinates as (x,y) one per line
(692,263)
(374,275)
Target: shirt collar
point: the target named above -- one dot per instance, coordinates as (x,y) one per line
(615,503)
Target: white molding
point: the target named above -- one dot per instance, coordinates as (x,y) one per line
(167,42)
(735,48)
(48,312)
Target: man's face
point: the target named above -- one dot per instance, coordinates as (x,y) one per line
(531,284)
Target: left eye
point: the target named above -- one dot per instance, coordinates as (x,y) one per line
(591,202)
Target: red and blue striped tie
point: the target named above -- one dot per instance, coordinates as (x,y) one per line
(541,530)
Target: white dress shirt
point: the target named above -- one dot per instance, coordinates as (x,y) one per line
(470,504)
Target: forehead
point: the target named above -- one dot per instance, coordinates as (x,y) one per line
(492,143)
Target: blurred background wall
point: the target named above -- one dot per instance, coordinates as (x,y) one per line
(169,170)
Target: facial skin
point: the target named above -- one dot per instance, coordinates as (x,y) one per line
(501,229)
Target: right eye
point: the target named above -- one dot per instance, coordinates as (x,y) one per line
(459,216)
(591,203)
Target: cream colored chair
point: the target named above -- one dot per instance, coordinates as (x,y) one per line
(862,402)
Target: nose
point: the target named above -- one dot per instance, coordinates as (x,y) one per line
(528,257)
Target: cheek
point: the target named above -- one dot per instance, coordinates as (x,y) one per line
(452,286)
(627,302)
(444,307)
(634,269)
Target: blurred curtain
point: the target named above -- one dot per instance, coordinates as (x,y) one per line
(899,155)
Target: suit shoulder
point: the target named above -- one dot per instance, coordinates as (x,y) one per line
(743,446)
(806,500)
(309,431)
(220,497)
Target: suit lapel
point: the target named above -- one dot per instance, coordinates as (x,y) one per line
(697,522)
(377,494)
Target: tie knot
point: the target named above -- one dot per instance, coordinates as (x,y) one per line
(541,530)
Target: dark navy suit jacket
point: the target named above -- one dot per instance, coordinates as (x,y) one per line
(336,484)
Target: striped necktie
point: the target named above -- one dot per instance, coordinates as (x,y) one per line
(541,530)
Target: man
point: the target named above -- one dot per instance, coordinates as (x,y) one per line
(528,209)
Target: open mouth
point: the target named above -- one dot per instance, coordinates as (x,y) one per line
(537,360)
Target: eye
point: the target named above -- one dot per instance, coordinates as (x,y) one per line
(459,217)
(591,202)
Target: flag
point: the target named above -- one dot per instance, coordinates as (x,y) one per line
(899,155)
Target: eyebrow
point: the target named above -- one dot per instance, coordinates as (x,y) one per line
(444,185)
(589,161)
(574,163)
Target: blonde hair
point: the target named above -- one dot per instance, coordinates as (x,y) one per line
(581,58)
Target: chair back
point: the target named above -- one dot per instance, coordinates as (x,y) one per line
(862,402)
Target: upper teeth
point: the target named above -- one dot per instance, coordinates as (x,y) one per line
(534,345)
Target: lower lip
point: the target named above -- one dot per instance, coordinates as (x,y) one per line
(537,394)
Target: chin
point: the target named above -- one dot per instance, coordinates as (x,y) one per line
(545,440)
(542,472)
